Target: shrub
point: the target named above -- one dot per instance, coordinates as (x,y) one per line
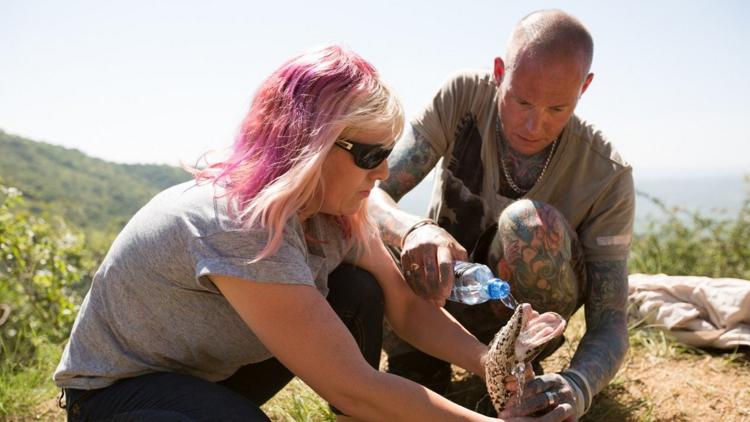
(691,243)
(42,269)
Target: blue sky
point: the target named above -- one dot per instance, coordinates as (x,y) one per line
(156,82)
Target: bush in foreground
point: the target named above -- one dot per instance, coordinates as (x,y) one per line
(42,269)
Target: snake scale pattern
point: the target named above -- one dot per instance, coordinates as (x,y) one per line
(518,343)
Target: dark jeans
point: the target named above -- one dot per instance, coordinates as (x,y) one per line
(354,295)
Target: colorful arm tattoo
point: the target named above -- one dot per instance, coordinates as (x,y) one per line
(411,160)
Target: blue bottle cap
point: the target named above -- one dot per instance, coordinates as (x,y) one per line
(498,289)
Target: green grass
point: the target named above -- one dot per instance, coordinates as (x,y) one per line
(298,402)
(26,383)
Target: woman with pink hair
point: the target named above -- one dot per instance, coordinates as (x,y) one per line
(218,291)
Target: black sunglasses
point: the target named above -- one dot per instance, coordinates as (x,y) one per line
(366,156)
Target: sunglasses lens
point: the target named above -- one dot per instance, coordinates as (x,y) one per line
(372,158)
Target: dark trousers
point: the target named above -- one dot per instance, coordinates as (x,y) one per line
(354,295)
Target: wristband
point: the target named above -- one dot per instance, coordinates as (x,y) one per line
(415,226)
(580,397)
(577,377)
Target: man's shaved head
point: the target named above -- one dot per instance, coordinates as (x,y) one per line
(550,34)
(545,73)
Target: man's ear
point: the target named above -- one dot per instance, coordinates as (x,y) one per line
(586,83)
(499,70)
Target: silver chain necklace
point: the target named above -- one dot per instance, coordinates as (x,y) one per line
(512,183)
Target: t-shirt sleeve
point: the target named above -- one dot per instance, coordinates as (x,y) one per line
(231,253)
(607,233)
(436,122)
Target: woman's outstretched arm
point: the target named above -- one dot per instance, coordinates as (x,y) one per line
(299,327)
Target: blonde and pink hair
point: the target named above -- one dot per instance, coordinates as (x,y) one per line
(274,168)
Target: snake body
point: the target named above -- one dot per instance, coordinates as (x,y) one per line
(514,345)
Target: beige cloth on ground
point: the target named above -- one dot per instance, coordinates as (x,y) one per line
(699,311)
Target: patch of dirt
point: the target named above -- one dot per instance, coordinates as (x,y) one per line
(46,411)
(681,388)
(684,386)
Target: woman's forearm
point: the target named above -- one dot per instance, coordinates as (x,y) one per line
(388,397)
(298,326)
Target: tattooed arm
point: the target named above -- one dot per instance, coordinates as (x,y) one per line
(429,253)
(603,347)
(600,352)
(412,158)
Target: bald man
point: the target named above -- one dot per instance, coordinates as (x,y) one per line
(527,187)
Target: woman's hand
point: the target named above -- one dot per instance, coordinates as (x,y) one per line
(427,259)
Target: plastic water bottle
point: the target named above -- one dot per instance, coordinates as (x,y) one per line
(476,284)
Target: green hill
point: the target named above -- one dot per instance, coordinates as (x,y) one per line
(92,194)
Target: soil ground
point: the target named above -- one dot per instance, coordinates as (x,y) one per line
(659,381)
(686,387)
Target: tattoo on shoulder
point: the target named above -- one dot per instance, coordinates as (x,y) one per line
(412,158)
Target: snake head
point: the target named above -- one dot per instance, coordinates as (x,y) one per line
(535,331)
(521,339)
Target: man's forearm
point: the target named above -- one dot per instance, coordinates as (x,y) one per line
(392,222)
(600,355)
(602,349)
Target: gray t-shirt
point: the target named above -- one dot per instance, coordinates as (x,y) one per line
(152,307)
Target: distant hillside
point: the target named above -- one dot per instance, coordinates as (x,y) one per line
(91,193)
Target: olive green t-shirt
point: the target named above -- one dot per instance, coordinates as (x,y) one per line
(586,180)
